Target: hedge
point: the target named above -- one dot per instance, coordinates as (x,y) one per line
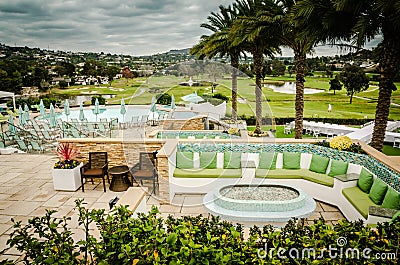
(150,239)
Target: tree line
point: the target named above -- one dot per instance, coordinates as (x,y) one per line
(262,27)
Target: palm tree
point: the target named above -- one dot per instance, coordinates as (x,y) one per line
(257,41)
(219,44)
(361,21)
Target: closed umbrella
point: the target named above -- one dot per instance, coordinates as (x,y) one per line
(96,109)
(66,108)
(11,127)
(26,112)
(52,116)
(123,109)
(173,102)
(81,113)
(42,110)
(153,115)
(21,117)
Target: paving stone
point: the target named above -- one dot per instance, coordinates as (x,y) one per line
(170,209)
(332,216)
(328,208)
(57,200)
(20,208)
(193,200)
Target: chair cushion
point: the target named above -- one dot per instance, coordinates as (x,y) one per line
(232,160)
(359,200)
(391,200)
(395,217)
(208,173)
(208,160)
(267,160)
(184,159)
(378,191)
(296,174)
(338,167)
(365,180)
(319,164)
(291,160)
(93,172)
(143,173)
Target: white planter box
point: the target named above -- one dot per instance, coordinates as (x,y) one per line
(67,179)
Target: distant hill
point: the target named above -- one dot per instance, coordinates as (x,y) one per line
(181,51)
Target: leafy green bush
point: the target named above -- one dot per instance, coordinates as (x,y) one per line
(164,99)
(220,96)
(149,239)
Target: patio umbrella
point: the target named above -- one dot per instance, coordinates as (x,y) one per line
(11,127)
(96,109)
(52,116)
(153,115)
(123,109)
(173,102)
(66,108)
(194,98)
(26,113)
(81,113)
(21,117)
(42,110)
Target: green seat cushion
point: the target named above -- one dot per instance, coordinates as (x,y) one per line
(207,173)
(395,217)
(391,200)
(378,191)
(184,159)
(322,179)
(338,167)
(208,160)
(359,200)
(280,173)
(267,160)
(319,164)
(232,160)
(291,160)
(295,174)
(365,180)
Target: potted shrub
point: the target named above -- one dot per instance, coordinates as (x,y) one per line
(66,171)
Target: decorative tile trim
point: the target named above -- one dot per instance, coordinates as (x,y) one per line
(197,135)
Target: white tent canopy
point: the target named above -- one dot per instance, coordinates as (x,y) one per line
(4,94)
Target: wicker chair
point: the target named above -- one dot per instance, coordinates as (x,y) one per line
(97,167)
(146,169)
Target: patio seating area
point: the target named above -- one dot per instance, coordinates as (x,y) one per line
(28,191)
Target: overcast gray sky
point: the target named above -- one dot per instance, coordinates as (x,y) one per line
(134,27)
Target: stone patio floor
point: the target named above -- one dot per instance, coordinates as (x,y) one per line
(27,191)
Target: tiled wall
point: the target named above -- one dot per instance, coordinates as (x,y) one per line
(382,171)
(197,135)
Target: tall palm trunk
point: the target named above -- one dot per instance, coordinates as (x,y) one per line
(235,66)
(258,62)
(388,68)
(300,66)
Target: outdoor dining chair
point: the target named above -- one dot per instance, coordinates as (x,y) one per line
(146,169)
(96,167)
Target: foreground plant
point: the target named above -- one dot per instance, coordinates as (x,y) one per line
(67,153)
(150,239)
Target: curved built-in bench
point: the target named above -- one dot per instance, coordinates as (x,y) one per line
(325,179)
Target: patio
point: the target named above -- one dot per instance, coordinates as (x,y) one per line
(27,191)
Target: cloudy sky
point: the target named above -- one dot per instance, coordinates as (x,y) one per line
(135,27)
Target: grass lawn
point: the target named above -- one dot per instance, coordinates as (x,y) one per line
(390,150)
(279,131)
(280,105)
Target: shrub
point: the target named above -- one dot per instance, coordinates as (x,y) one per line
(164,99)
(341,142)
(150,239)
(66,153)
(102,101)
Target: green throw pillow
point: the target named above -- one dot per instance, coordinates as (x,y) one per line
(232,159)
(208,160)
(319,164)
(378,191)
(391,200)
(365,180)
(338,167)
(291,160)
(267,160)
(184,160)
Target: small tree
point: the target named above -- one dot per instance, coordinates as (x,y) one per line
(354,80)
(335,84)
(127,73)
